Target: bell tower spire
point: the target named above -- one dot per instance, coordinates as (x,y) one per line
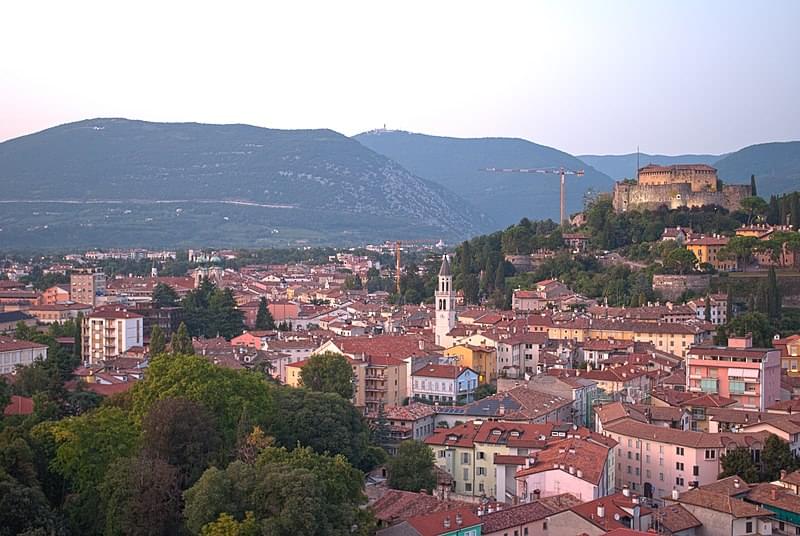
(445,304)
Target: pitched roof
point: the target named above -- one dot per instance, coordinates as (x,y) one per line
(444,521)
(730,486)
(775,496)
(675,518)
(721,502)
(581,454)
(528,512)
(444,270)
(396,505)
(19,405)
(440,371)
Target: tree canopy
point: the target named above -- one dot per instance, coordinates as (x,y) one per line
(329,373)
(412,468)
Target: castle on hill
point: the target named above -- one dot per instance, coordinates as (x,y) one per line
(681,185)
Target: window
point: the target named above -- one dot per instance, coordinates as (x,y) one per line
(480,486)
(695,471)
(629,455)
(711,454)
(637,471)
(661,476)
(442,453)
(630,442)
(481,471)
(637,456)
(679,466)
(629,469)
(679,451)
(544,527)
(481,455)
(467,486)
(647,458)
(797,530)
(661,449)
(679,481)
(748,527)
(647,446)
(465,458)
(466,474)
(647,472)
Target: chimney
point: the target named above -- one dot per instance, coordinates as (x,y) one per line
(579,473)
(626,491)
(537,493)
(447,522)
(459,519)
(773,493)
(736,483)
(675,494)
(601,511)
(783,474)
(572,469)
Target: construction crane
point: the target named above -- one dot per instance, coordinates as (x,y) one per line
(555,171)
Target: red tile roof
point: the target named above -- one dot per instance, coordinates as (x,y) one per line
(444,522)
(19,405)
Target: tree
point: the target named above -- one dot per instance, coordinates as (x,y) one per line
(753,189)
(754,206)
(739,248)
(164,296)
(739,462)
(181,343)
(756,324)
(158,341)
(680,261)
(25,510)
(210,312)
(328,373)
(776,455)
(141,498)
(324,422)
(227,394)
(183,434)
(484,390)
(412,468)
(227,525)
(77,338)
(353,282)
(707,309)
(87,445)
(380,430)
(5,394)
(264,320)
(305,492)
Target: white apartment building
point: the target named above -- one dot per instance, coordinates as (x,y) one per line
(109,332)
(14,352)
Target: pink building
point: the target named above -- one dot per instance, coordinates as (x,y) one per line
(751,376)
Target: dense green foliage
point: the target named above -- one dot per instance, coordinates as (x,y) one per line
(328,373)
(755,323)
(164,296)
(412,468)
(210,312)
(264,320)
(122,468)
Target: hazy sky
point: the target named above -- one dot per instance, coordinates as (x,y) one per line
(585,77)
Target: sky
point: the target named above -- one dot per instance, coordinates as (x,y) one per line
(594,77)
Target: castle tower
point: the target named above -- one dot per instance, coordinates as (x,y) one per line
(445,304)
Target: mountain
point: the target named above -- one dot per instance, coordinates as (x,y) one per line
(776,167)
(455,163)
(623,166)
(115,182)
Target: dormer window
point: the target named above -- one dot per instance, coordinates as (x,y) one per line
(514,433)
(496,431)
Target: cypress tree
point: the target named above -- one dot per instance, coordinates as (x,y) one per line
(753,185)
(264,319)
(707,309)
(773,296)
(181,342)
(158,341)
(77,347)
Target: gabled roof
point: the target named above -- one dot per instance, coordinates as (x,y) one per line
(720,502)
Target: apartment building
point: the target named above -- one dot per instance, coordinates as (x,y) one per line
(109,332)
(670,337)
(473,453)
(706,249)
(481,359)
(444,383)
(58,312)
(87,286)
(653,460)
(14,352)
(750,376)
(790,353)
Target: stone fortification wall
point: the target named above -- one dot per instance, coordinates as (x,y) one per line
(671,287)
(630,196)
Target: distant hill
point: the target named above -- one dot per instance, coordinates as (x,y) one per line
(105,182)
(623,166)
(775,165)
(455,163)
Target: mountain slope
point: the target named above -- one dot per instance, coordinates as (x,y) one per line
(623,166)
(115,180)
(775,165)
(455,163)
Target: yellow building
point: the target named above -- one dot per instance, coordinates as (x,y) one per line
(790,354)
(673,337)
(706,249)
(481,359)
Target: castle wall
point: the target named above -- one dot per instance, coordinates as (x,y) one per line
(629,196)
(671,287)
